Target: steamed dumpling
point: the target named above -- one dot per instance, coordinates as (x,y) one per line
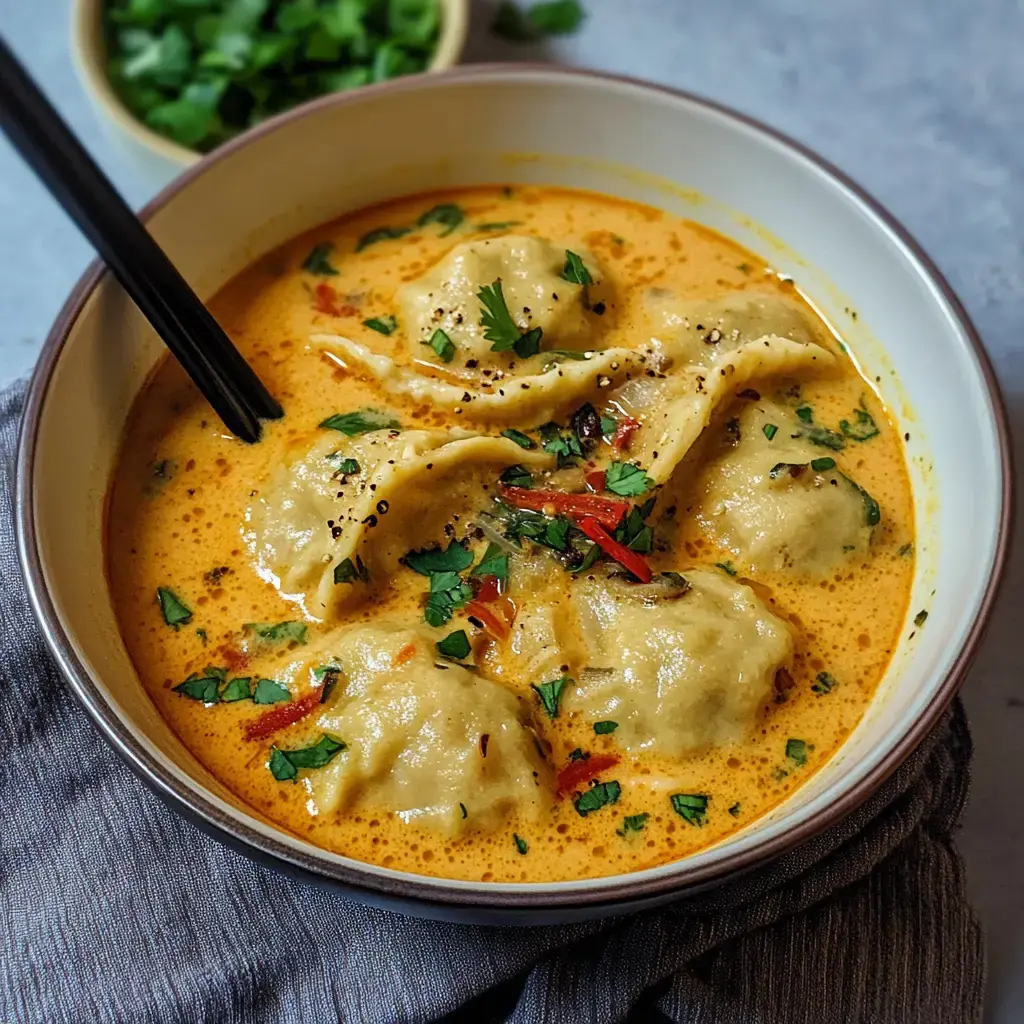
(311,516)
(674,410)
(533,397)
(415,736)
(810,522)
(703,331)
(536,294)
(679,669)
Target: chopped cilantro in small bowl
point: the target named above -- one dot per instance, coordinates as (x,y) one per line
(183,76)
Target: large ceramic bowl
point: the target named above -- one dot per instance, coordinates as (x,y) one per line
(503,124)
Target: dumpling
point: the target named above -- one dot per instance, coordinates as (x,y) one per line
(314,514)
(674,410)
(536,294)
(763,499)
(679,668)
(703,331)
(424,739)
(533,397)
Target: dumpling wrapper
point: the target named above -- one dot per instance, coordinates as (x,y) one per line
(674,410)
(703,331)
(413,736)
(678,671)
(388,507)
(536,294)
(527,398)
(810,524)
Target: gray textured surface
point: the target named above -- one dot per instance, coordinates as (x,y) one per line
(919,101)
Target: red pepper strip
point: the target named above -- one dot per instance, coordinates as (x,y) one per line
(610,546)
(281,716)
(595,480)
(624,432)
(576,773)
(488,589)
(326,297)
(407,653)
(494,624)
(607,511)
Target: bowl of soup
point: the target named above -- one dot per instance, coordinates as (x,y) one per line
(628,522)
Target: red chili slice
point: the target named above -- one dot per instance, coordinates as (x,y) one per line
(326,299)
(576,773)
(624,432)
(494,624)
(281,716)
(607,511)
(488,589)
(596,480)
(610,546)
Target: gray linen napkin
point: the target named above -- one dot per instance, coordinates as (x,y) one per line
(114,909)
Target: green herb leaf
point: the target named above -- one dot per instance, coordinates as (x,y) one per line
(175,612)
(277,632)
(448,215)
(554,17)
(455,646)
(865,427)
(269,691)
(349,571)
(872,510)
(361,422)
(382,324)
(494,563)
(202,688)
(443,346)
(691,807)
(627,480)
(727,567)
(565,447)
(824,438)
(280,766)
(448,591)
(501,330)
(238,689)
(520,438)
(592,555)
(521,845)
(606,727)
(805,413)
(770,430)
(796,751)
(429,561)
(284,764)
(822,465)
(632,823)
(528,343)
(346,466)
(825,683)
(578,755)
(920,618)
(380,235)
(575,271)
(516,476)
(497,225)
(317,262)
(609,425)
(602,795)
(550,694)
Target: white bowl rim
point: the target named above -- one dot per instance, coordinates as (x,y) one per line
(434,896)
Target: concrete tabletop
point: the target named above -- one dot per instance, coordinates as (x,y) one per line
(921,102)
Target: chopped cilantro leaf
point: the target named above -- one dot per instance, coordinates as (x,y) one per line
(865,427)
(284,764)
(578,755)
(575,271)
(494,563)
(796,751)
(602,795)
(516,476)
(592,555)
(566,447)
(382,324)
(521,845)
(202,688)
(770,430)
(501,330)
(553,17)
(627,480)
(632,823)
(550,694)
(448,591)
(317,261)
(520,523)
(520,438)
(822,465)
(277,632)
(498,225)
(691,807)
(823,437)
(528,344)
(280,766)
(455,646)
(429,561)
(349,571)
(346,466)
(872,510)
(825,683)
(606,727)
(442,345)
(727,567)
(380,235)
(805,413)
(608,425)
(269,691)
(174,610)
(238,689)
(361,422)
(448,215)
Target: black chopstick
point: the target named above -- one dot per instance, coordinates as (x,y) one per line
(184,324)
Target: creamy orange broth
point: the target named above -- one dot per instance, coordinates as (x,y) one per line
(173,532)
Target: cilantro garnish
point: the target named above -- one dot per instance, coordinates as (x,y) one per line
(872,510)
(448,215)
(553,17)
(634,532)
(204,688)
(592,555)
(551,533)
(317,261)
(550,694)
(633,823)
(825,683)
(606,727)
(575,270)
(601,795)
(455,646)
(349,571)
(346,466)
(494,563)
(277,632)
(770,430)
(608,425)
(520,438)
(691,807)
(361,422)
(497,225)
(380,235)
(501,330)
(864,429)
(443,346)
(516,476)
(565,447)
(428,561)
(626,479)
(381,324)
(175,612)
(805,413)
(237,689)
(823,465)
(284,765)
(727,567)
(269,691)
(796,751)
(448,592)
(521,845)
(578,755)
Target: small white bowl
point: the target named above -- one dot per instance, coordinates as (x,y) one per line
(156,156)
(559,127)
